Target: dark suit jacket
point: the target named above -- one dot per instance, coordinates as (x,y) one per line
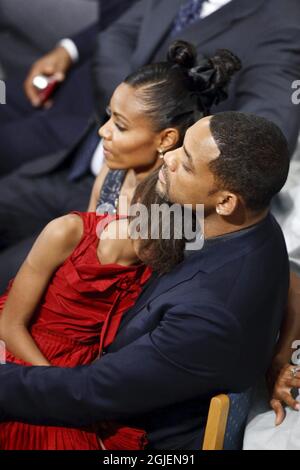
(43,132)
(265,34)
(109,11)
(209,326)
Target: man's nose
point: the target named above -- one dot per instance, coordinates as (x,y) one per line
(170,160)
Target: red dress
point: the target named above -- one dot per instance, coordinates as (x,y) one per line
(81,309)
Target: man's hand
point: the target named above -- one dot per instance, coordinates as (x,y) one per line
(286,381)
(56,63)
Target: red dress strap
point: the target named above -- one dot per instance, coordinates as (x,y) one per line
(89,219)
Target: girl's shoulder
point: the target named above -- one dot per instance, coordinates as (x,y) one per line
(67,228)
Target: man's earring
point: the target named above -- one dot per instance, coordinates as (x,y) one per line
(161,153)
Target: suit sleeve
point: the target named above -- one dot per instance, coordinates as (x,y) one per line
(190,353)
(115,46)
(265,84)
(109,11)
(85,41)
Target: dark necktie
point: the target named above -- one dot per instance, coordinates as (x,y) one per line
(188,14)
(83,154)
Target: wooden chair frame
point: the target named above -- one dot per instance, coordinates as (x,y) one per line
(216,423)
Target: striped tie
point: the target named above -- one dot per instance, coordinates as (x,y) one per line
(188,14)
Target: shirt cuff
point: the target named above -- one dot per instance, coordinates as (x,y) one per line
(71,49)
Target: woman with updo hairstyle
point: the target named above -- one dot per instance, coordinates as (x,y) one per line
(149,113)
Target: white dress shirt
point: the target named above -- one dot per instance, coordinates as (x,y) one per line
(71,48)
(208,7)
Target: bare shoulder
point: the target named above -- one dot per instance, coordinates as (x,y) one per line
(60,237)
(70,224)
(55,243)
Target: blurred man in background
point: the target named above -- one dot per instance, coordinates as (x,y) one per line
(29,129)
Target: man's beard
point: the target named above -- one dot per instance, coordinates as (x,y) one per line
(163,190)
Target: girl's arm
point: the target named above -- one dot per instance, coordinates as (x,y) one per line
(97,188)
(56,242)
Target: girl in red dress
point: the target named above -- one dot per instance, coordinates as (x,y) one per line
(66,303)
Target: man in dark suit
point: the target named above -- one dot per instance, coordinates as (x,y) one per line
(210,325)
(29,130)
(40,191)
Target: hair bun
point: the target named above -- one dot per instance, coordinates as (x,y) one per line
(225,64)
(182,53)
(211,76)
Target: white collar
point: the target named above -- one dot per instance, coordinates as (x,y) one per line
(217,3)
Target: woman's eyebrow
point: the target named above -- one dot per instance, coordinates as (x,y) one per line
(120,116)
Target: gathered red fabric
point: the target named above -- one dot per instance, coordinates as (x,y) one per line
(114,437)
(80,313)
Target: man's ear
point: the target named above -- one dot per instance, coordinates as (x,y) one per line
(227,203)
(169,138)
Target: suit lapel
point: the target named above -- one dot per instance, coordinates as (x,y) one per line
(154,28)
(214,24)
(158,24)
(160,284)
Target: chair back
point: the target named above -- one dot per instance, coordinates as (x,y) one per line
(226,421)
(240,404)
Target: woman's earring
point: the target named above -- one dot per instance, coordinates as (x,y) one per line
(161,153)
